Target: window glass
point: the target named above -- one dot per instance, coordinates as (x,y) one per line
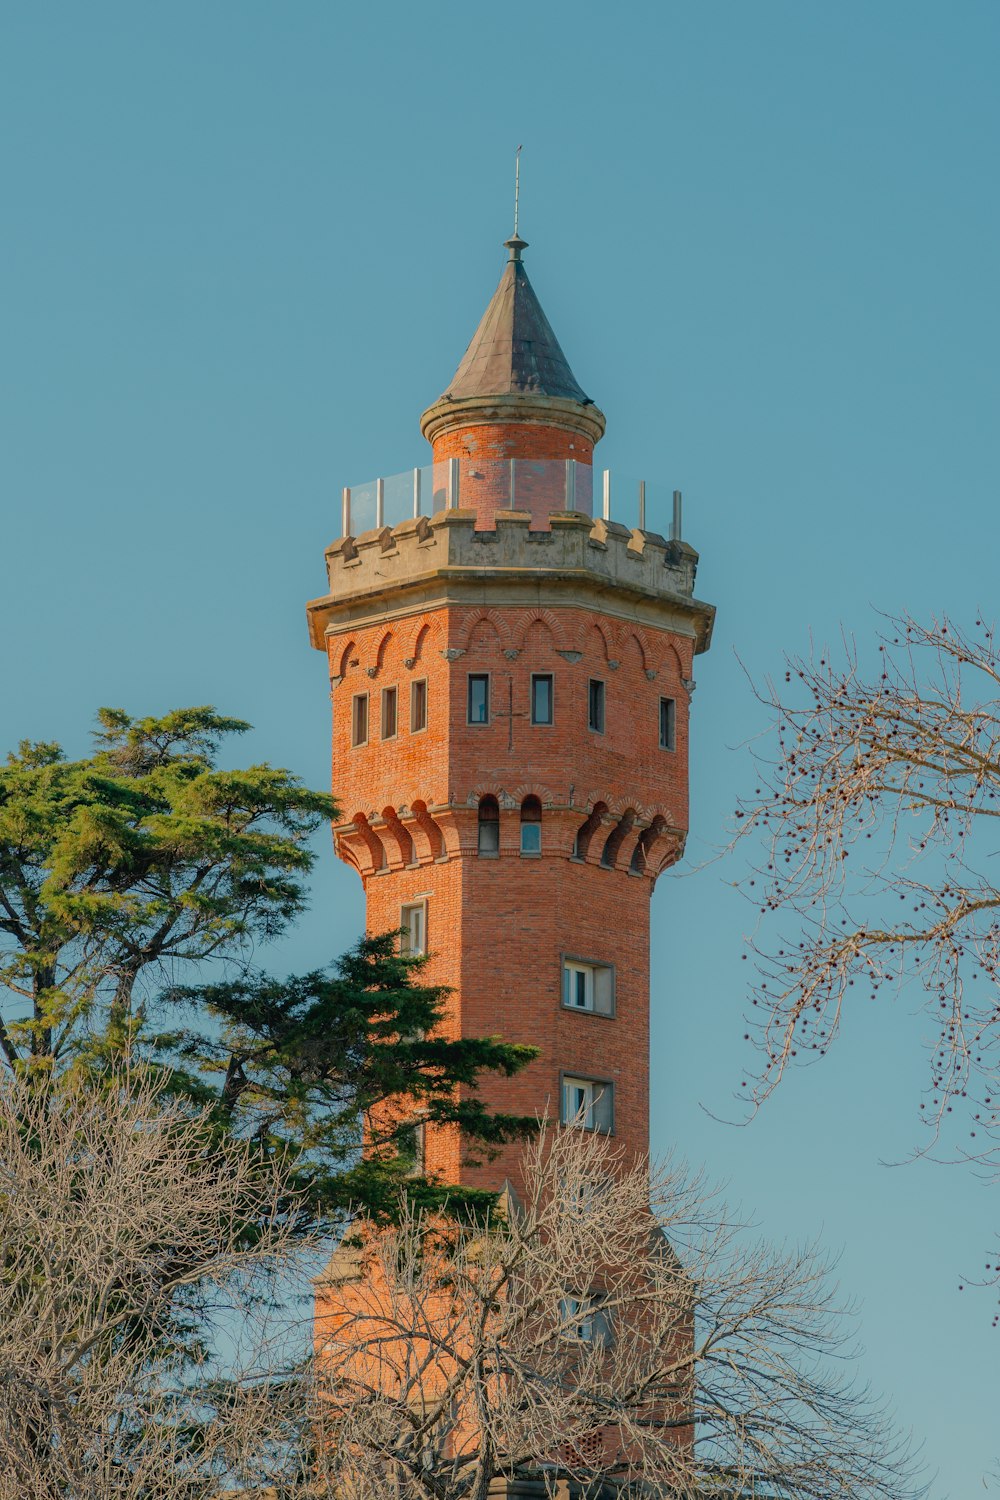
(541,698)
(589,986)
(531,826)
(388,713)
(479,698)
(359,719)
(489,826)
(418,705)
(595,708)
(578,986)
(668,723)
(414,925)
(531,838)
(588,1103)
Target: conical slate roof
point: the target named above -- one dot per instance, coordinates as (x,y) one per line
(514,349)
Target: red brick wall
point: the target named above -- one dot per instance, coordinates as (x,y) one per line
(498,927)
(484,453)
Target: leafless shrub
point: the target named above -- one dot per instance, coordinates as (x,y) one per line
(129,1238)
(613,1326)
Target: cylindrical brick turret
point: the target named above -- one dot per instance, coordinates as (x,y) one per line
(514,400)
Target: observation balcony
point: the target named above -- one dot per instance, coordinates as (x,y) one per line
(488,487)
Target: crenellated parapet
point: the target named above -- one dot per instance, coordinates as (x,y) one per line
(634,575)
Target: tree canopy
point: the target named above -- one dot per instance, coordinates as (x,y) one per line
(876,815)
(137,883)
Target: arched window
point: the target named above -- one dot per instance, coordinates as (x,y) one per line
(489,825)
(531,826)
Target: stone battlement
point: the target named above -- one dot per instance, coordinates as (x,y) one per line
(444,558)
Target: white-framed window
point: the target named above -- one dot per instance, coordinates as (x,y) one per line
(588,1103)
(413,922)
(531,826)
(668,724)
(585,1320)
(541,698)
(595,705)
(588,986)
(418,705)
(390,699)
(479,698)
(359,719)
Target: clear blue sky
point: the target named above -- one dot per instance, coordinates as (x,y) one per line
(245,244)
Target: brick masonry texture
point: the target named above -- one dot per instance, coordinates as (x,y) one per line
(499,926)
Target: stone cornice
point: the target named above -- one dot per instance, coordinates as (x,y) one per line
(426,564)
(518,407)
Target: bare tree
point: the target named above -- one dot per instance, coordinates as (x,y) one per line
(130,1238)
(612,1328)
(876,809)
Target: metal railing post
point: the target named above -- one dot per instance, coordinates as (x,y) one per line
(416,493)
(453,484)
(571,484)
(607,494)
(675,528)
(345,512)
(642,505)
(379,503)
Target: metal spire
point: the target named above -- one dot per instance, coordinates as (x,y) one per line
(515,244)
(517,185)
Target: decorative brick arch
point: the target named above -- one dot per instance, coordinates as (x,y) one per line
(545,617)
(674,662)
(380,652)
(589,827)
(421,633)
(627,632)
(429,829)
(617,837)
(345,657)
(372,842)
(487,789)
(603,630)
(467,623)
(400,835)
(544,794)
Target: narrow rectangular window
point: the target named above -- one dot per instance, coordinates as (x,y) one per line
(413,921)
(589,986)
(595,705)
(588,1103)
(479,698)
(389,713)
(418,705)
(541,698)
(359,719)
(584,1319)
(668,724)
(410,1145)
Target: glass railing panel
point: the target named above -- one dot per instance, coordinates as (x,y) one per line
(397,492)
(363,507)
(490,486)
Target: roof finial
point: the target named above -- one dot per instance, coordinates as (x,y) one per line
(517,185)
(515,244)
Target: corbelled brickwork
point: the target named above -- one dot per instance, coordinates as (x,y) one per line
(511,697)
(432,603)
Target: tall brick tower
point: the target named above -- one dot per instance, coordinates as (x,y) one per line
(511,680)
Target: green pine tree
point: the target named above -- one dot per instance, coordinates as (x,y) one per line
(124,872)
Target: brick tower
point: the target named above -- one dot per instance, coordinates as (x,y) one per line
(511,682)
